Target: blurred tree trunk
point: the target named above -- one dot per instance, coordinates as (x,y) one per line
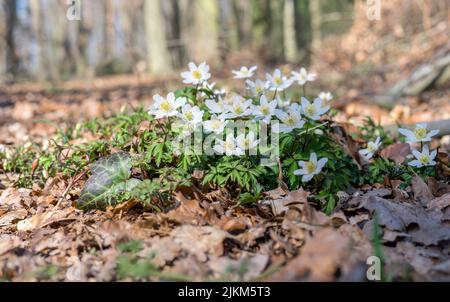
(172,22)
(243,21)
(108,30)
(303,29)
(51,38)
(276,30)
(157,52)
(202,37)
(290,41)
(35,16)
(12,59)
(316,23)
(2,44)
(260,22)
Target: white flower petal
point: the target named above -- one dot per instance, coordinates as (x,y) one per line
(307,177)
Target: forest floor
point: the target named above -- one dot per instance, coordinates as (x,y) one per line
(280,238)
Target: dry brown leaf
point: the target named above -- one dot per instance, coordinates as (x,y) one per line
(423,227)
(200,240)
(12,217)
(189,211)
(251,266)
(44,219)
(396,152)
(441,203)
(282,204)
(320,258)
(422,192)
(232,224)
(15,197)
(164,249)
(8,242)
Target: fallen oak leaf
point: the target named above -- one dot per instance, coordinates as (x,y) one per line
(424,227)
(421,191)
(188,211)
(441,203)
(396,152)
(8,242)
(200,241)
(320,258)
(232,225)
(12,217)
(44,219)
(252,267)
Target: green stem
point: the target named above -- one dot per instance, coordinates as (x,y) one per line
(306,138)
(275,94)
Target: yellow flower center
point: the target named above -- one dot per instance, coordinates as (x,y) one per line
(166,106)
(197,74)
(278,80)
(216,124)
(189,116)
(310,167)
(424,159)
(229,145)
(290,121)
(311,110)
(420,133)
(238,110)
(371,147)
(265,110)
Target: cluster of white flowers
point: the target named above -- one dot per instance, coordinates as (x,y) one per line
(420,134)
(262,103)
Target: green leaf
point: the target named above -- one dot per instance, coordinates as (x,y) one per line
(109,178)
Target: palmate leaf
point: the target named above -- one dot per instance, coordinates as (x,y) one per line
(109,178)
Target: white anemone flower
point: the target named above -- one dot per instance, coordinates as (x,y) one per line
(372,147)
(239,107)
(277,81)
(423,158)
(196,74)
(310,168)
(291,119)
(283,102)
(191,115)
(185,129)
(303,76)
(166,107)
(326,97)
(265,109)
(216,107)
(211,87)
(215,124)
(257,87)
(244,72)
(419,134)
(315,110)
(228,146)
(247,142)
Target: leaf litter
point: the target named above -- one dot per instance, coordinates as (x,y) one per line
(205,236)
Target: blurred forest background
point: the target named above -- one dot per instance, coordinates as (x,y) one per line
(401,58)
(38,42)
